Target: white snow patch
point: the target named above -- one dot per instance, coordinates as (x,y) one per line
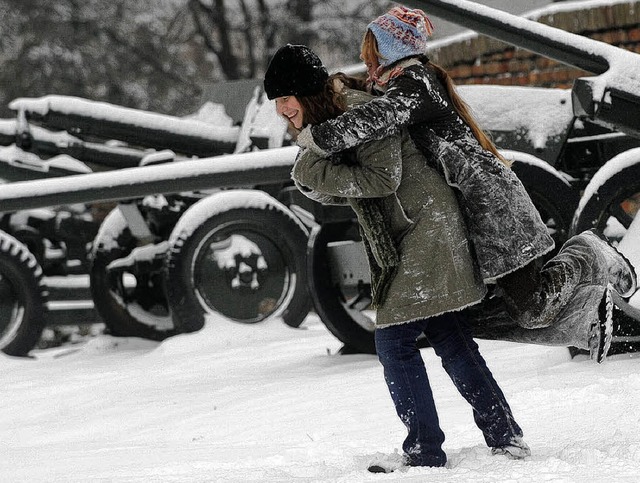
(256,403)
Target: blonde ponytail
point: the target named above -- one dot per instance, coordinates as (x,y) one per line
(464,111)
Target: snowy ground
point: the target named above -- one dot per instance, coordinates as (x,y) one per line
(267,403)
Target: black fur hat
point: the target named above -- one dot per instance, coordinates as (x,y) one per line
(294,70)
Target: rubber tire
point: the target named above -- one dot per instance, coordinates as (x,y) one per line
(327,297)
(114,241)
(286,235)
(554,198)
(607,189)
(18,267)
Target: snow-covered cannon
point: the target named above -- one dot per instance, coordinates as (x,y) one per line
(47,220)
(587,174)
(86,119)
(170,253)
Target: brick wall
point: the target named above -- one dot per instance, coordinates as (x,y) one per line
(476,59)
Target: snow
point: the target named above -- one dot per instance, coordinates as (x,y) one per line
(15,156)
(212,113)
(268,403)
(532,160)
(609,169)
(222,202)
(538,113)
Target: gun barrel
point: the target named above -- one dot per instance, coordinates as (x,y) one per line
(83,117)
(238,170)
(557,44)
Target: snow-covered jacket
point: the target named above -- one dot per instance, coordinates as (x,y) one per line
(503,224)
(435,270)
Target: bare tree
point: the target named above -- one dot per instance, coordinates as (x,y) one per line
(159,55)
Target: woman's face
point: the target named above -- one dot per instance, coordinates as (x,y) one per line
(372,64)
(289,108)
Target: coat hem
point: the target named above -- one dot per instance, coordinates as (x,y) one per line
(458,309)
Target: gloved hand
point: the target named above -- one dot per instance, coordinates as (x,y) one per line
(305,140)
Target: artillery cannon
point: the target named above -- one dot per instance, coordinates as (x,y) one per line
(169,254)
(129,294)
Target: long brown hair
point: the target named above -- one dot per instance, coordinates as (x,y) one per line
(369,51)
(328,103)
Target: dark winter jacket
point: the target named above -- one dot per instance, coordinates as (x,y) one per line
(392,189)
(504,226)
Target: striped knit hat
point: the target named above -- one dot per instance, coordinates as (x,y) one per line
(401,32)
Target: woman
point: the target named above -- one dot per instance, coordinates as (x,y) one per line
(422,270)
(508,236)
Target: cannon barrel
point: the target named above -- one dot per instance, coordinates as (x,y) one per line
(236,170)
(46,143)
(611,98)
(82,117)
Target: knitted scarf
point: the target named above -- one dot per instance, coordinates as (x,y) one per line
(379,245)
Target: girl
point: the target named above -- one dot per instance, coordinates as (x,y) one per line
(422,270)
(508,237)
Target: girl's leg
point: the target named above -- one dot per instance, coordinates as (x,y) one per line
(408,384)
(450,337)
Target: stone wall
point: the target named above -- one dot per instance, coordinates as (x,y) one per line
(476,59)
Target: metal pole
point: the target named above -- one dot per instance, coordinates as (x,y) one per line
(238,170)
(565,47)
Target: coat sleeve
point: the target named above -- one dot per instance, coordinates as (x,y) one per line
(411,98)
(320,197)
(376,174)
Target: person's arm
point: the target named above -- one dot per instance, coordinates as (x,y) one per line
(377,173)
(408,100)
(320,197)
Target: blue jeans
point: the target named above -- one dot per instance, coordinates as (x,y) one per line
(408,384)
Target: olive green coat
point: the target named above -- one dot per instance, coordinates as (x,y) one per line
(436,272)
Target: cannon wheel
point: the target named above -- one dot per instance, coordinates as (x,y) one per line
(130,305)
(241,254)
(553,196)
(22,298)
(347,316)
(612,197)
(610,203)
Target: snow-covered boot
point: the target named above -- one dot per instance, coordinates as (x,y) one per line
(534,295)
(621,274)
(516,449)
(586,321)
(536,299)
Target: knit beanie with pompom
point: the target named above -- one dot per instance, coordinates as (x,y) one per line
(401,32)
(294,70)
